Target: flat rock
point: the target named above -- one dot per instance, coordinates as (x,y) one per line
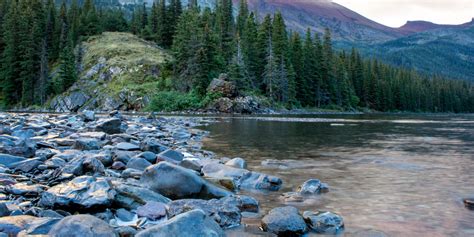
(9,160)
(109,126)
(138,164)
(177,182)
(152,210)
(152,145)
(30,225)
(126,146)
(86,144)
(324,222)
(189,224)
(82,226)
(132,197)
(83,192)
(284,221)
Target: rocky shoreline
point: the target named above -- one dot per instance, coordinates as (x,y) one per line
(121,175)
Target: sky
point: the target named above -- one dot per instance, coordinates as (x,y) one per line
(395,13)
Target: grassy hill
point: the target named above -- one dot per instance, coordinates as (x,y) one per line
(117,71)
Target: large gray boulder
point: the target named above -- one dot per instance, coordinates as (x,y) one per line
(324,222)
(189,224)
(152,145)
(171,156)
(284,221)
(84,192)
(71,102)
(109,126)
(131,197)
(243,178)
(223,86)
(177,182)
(82,226)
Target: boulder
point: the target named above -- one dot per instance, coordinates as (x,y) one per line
(109,126)
(70,102)
(223,86)
(24,189)
(189,224)
(147,155)
(82,226)
(152,145)
(177,182)
(138,164)
(324,222)
(243,178)
(86,144)
(237,163)
(152,210)
(126,146)
(83,192)
(313,186)
(28,165)
(23,148)
(284,221)
(171,156)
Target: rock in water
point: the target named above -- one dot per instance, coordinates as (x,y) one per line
(237,163)
(109,126)
(177,182)
(189,224)
(469,203)
(82,226)
(284,221)
(83,192)
(313,186)
(324,222)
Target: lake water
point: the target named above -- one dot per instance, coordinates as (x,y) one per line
(401,175)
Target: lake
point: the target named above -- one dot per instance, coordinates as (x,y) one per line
(398,175)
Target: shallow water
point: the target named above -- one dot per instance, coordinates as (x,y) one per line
(403,175)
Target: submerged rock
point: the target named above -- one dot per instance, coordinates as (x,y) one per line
(189,224)
(469,203)
(313,186)
(237,163)
(177,182)
(83,192)
(284,221)
(243,178)
(324,222)
(82,226)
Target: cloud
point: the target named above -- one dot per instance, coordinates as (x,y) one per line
(396,12)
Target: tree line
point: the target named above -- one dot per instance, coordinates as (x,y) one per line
(261,55)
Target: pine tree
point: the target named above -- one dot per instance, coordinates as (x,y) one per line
(242,17)
(270,74)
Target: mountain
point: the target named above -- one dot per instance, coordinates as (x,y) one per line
(446,50)
(317,15)
(412,27)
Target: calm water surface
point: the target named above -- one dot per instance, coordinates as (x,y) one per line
(403,175)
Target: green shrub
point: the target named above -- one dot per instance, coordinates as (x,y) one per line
(174,101)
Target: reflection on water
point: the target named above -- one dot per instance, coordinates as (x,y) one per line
(404,175)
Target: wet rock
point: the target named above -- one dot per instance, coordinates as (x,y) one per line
(125,146)
(189,224)
(152,210)
(87,115)
(244,178)
(177,182)
(131,197)
(147,155)
(4,211)
(171,156)
(86,144)
(324,222)
(30,225)
(292,197)
(50,213)
(469,203)
(284,221)
(9,160)
(109,126)
(152,145)
(237,163)
(83,192)
(369,233)
(82,226)
(313,186)
(138,164)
